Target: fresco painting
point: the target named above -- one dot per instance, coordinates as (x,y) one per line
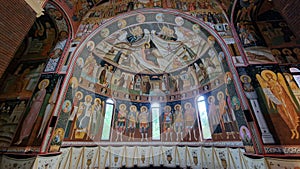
(277,94)
(151,100)
(39,110)
(276,33)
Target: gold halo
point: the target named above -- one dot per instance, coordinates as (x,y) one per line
(264,72)
(132,107)
(296,50)
(275,52)
(213,101)
(59,129)
(248,77)
(144,107)
(90,44)
(104,32)
(167,108)
(140,18)
(228,74)
(186,104)
(286,51)
(122,23)
(219,94)
(81,94)
(44,81)
(147,44)
(177,105)
(64,106)
(97,99)
(88,96)
(289,75)
(122,105)
(211,38)
(74,81)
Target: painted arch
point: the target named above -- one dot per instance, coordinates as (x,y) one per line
(142,58)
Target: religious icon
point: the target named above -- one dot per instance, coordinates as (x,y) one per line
(245,135)
(97,109)
(57,139)
(36,105)
(278,97)
(58,136)
(67,106)
(143,120)
(214,116)
(83,118)
(50,106)
(132,120)
(189,120)
(225,115)
(167,122)
(235,103)
(120,121)
(228,78)
(246,80)
(178,122)
(294,87)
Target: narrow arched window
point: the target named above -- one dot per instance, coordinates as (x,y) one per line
(155,112)
(206,133)
(109,109)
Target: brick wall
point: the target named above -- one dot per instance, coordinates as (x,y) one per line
(290,10)
(16,18)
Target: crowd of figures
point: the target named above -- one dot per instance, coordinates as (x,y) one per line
(116,79)
(178,121)
(203,10)
(87,118)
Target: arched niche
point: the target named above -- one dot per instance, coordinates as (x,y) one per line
(128,59)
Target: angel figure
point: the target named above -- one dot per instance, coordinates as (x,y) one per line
(293,86)
(276,92)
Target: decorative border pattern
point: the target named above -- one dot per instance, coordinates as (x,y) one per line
(208,144)
(282,150)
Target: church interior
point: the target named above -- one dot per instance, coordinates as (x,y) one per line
(150,84)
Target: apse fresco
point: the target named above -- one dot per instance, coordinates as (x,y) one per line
(208,12)
(277,94)
(139,79)
(35,119)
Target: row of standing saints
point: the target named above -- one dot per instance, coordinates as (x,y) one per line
(178,123)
